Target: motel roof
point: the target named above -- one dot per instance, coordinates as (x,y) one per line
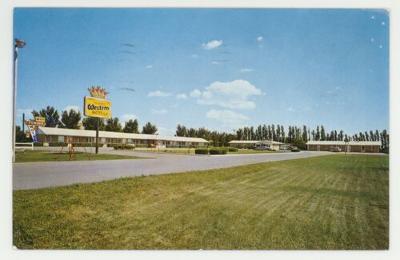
(364,143)
(254,142)
(106,134)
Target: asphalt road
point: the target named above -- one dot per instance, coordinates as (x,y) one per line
(51,174)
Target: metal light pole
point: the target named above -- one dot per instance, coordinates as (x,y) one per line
(17,45)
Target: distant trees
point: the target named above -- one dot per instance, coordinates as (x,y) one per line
(132,126)
(51,115)
(298,136)
(70,119)
(149,128)
(113,125)
(181,130)
(89,123)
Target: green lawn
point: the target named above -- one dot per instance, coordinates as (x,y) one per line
(328,202)
(42,156)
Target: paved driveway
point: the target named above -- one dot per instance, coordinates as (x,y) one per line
(49,174)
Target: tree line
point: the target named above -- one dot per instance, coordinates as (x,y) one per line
(295,135)
(71,119)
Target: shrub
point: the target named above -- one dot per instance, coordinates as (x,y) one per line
(218,151)
(123,147)
(58,144)
(233,149)
(86,144)
(201,151)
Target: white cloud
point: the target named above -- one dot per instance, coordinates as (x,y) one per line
(234,95)
(260,38)
(212,44)
(181,96)
(214,62)
(227,117)
(159,111)
(195,93)
(244,70)
(158,93)
(149,66)
(73,107)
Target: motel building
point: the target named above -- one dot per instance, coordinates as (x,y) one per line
(352,146)
(263,144)
(51,136)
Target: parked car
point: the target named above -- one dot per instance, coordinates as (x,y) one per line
(262,147)
(294,149)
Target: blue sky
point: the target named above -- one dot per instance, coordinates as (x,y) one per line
(217,68)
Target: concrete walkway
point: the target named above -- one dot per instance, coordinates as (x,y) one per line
(50,174)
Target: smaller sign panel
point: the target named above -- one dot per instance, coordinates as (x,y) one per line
(40,121)
(96,107)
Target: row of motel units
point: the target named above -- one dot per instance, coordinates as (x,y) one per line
(52,135)
(352,146)
(272,145)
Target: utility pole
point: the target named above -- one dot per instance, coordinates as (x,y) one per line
(17,45)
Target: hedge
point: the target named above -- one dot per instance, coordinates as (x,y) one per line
(218,151)
(123,147)
(201,151)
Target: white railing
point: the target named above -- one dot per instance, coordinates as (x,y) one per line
(23,145)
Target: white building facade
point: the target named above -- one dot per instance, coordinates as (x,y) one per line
(51,136)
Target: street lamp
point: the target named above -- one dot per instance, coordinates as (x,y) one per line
(17,45)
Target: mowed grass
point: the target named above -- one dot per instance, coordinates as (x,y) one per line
(42,156)
(328,202)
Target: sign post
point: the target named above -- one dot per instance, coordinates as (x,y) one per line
(98,107)
(97,135)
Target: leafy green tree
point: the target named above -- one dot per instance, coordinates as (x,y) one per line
(132,126)
(51,115)
(323,135)
(192,132)
(149,128)
(304,136)
(113,125)
(89,123)
(181,130)
(70,119)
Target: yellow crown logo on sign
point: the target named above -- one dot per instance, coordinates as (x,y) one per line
(97,92)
